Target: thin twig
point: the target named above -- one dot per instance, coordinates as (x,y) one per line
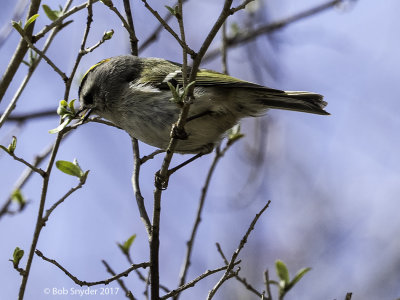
(228,271)
(186,162)
(240,279)
(136,187)
(44,56)
(98,44)
(81,53)
(179,17)
(190,242)
(251,34)
(54,206)
(194,281)
(18,12)
(224,50)
(150,156)
(140,275)
(32,167)
(26,174)
(20,51)
(91,283)
(39,223)
(121,283)
(130,29)
(59,21)
(13,103)
(132,35)
(267,285)
(152,37)
(169,29)
(241,6)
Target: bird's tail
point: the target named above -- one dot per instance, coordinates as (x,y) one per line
(298,101)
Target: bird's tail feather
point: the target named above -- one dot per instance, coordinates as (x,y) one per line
(297,101)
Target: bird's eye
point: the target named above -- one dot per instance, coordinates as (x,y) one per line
(88,99)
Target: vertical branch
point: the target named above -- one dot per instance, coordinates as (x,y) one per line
(39,218)
(179,16)
(162,174)
(132,35)
(40,221)
(224,50)
(136,187)
(82,51)
(267,283)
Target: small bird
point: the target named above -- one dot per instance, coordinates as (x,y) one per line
(134,94)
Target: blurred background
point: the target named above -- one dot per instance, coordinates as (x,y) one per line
(333,180)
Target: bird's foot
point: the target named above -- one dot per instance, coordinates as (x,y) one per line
(161,182)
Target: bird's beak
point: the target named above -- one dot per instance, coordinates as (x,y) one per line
(84,113)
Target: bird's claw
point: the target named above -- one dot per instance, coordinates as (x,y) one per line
(179,133)
(160,182)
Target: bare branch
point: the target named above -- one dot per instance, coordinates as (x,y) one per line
(31,70)
(82,52)
(59,21)
(241,6)
(32,167)
(150,156)
(26,174)
(91,283)
(186,162)
(136,186)
(156,31)
(98,44)
(19,53)
(54,206)
(39,223)
(132,35)
(224,50)
(44,56)
(267,285)
(194,281)
(169,29)
(240,279)
(121,283)
(252,34)
(130,29)
(228,272)
(190,242)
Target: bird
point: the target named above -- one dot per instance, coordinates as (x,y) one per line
(135,94)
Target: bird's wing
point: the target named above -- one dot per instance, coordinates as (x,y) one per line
(172,73)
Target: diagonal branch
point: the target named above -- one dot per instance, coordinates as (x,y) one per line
(19,53)
(32,167)
(194,281)
(228,273)
(169,29)
(91,283)
(240,279)
(128,293)
(244,37)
